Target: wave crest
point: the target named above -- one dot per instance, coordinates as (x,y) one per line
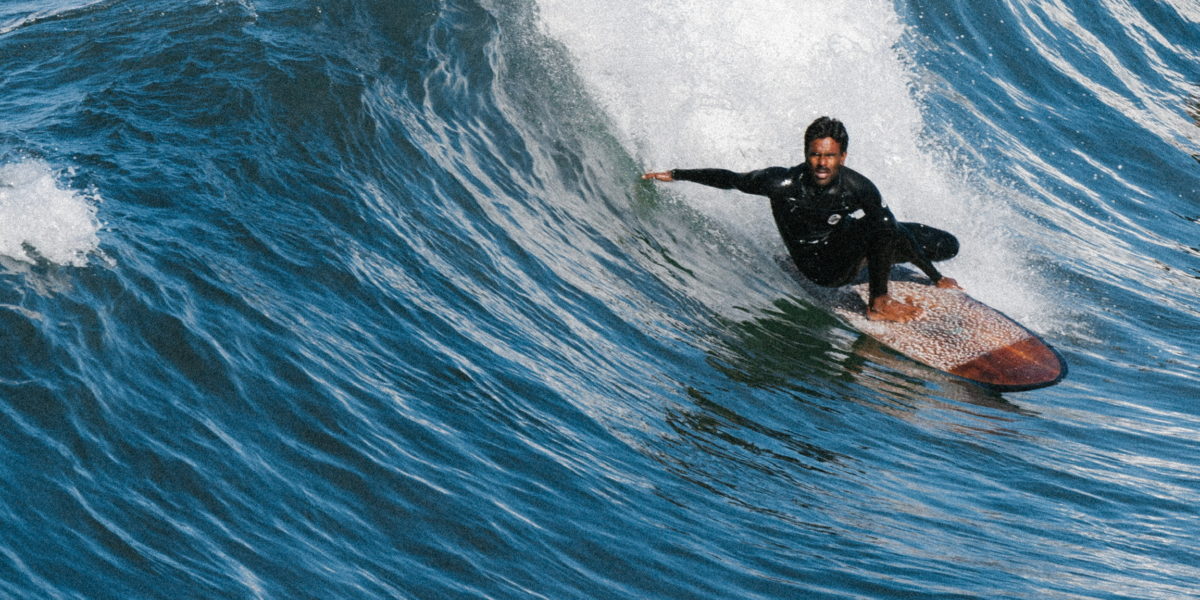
(40,218)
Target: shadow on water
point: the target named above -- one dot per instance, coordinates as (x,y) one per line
(792,371)
(947,386)
(782,348)
(785,427)
(803,349)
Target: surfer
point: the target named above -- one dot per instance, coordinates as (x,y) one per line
(833,220)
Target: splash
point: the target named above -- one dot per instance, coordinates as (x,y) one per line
(709,82)
(700,83)
(41,219)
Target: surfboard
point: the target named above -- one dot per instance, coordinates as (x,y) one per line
(955,333)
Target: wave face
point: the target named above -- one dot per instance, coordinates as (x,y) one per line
(364,299)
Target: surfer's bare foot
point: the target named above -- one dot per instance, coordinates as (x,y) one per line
(884,308)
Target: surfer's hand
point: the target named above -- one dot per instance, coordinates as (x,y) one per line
(659,175)
(884,308)
(948,283)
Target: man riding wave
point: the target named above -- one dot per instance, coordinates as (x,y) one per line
(833,220)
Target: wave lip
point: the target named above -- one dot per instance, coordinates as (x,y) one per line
(39,218)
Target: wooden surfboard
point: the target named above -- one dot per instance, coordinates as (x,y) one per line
(955,333)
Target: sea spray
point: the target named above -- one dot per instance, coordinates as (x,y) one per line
(40,217)
(707,84)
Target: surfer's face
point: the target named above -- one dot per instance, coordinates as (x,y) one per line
(825,159)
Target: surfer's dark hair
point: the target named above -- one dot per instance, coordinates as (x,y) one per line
(826,127)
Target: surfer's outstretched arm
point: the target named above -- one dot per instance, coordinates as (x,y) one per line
(763,182)
(719,178)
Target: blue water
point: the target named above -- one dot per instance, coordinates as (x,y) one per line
(364,299)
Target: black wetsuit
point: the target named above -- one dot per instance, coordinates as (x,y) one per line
(830,231)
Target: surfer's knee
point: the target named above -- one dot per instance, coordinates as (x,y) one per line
(934,244)
(942,246)
(946,247)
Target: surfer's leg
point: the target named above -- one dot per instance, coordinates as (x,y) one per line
(881,255)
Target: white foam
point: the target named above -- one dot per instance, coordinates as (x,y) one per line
(707,83)
(39,217)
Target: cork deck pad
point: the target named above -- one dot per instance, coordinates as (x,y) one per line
(955,333)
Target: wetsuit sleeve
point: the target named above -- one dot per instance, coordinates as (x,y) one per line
(917,257)
(891,244)
(888,248)
(761,182)
(875,211)
(883,236)
(904,247)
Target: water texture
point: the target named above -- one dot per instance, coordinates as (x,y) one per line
(365,299)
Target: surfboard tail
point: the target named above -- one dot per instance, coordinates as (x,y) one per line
(1025,365)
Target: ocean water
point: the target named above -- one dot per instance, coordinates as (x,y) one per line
(364,299)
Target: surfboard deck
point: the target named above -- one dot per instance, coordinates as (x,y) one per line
(955,333)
